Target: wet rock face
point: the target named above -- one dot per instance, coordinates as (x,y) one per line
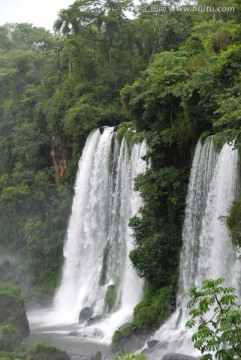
(73,333)
(98,333)
(96,356)
(174,356)
(8,272)
(5,269)
(96,319)
(12,308)
(133,342)
(152,344)
(130,341)
(85,314)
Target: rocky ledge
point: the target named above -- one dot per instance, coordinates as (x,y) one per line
(175,356)
(12,308)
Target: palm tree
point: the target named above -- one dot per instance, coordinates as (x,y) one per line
(82,14)
(80,17)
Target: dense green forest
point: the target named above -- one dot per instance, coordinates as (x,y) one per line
(175,75)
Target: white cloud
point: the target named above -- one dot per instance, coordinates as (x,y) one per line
(41,13)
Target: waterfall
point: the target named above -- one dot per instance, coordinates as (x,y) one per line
(97,272)
(207,249)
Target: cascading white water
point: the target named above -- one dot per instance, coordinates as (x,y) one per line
(207,249)
(97,272)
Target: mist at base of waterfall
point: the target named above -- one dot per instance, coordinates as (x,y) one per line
(78,347)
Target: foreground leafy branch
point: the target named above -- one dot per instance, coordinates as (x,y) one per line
(217,316)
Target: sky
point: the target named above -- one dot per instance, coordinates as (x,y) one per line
(42,13)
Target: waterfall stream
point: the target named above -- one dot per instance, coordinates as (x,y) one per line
(207,249)
(97,272)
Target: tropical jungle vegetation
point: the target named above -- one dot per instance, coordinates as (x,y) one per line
(171,75)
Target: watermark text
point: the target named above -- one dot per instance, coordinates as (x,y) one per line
(187,9)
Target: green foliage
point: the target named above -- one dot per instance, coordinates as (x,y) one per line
(158,95)
(126,130)
(154,309)
(194,45)
(221,138)
(228,122)
(130,356)
(149,314)
(218,316)
(125,331)
(45,351)
(228,64)
(10,290)
(157,232)
(36,351)
(123,129)
(31,205)
(234,222)
(10,338)
(204,136)
(111,299)
(12,356)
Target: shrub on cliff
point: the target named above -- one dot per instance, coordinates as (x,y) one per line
(10,338)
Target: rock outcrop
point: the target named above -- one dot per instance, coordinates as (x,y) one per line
(152,344)
(10,338)
(44,351)
(85,314)
(96,356)
(127,338)
(174,356)
(12,308)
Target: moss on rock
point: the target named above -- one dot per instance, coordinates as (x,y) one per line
(45,351)
(12,308)
(12,356)
(130,356)
(10,338)
(123,128)
(124,331)
(149,314)
(111,302)
(152,311)
(233,222)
